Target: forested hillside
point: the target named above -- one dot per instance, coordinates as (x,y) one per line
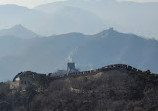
(112,90)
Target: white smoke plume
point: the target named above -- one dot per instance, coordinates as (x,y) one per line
(70,56)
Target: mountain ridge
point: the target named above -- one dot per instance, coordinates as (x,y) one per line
(18,31)
(87,51)
(123,16)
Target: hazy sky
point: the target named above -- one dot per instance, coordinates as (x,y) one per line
(27,3)
(140,0)
(33,3)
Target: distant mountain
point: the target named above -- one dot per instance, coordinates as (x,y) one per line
(82,4)
(125,16)
(85,16)
(18,31)
(40,54)
(110,47)
(14,15)
(65,19)
(49,54)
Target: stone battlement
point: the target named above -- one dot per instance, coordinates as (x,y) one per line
(106,68)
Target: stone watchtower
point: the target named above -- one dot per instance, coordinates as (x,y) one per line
(71,67)
(25,79)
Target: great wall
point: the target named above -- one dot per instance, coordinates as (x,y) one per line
(123,67)
(24,79)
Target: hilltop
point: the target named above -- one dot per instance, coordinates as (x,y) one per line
(107,88)
(18,31)
(116,89)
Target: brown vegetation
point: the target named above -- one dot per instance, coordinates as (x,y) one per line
(112,90)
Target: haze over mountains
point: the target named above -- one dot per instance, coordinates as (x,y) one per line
(113,44)
(18,31)
(22,48)
(88,17)
(47,54)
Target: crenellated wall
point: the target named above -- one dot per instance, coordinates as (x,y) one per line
(106,68)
